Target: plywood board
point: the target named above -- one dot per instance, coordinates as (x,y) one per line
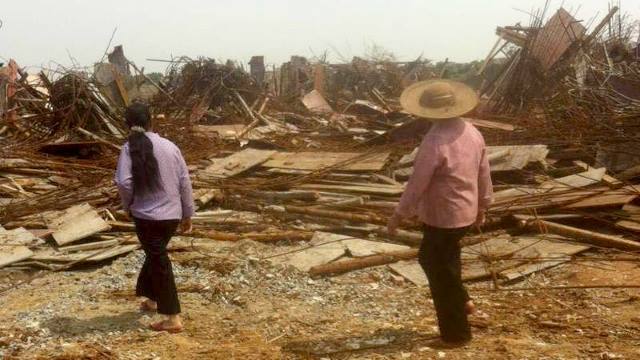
(315,256)
(235,163)
(10,254)
(321,160)
(51,255)
(516,158)
(79,227)
(614,197)
(328,247)
(631,225)
(224,131)
(19,236)
(515,257)
(377,189)
(412,271)
(519,156)
(362,248)
(55,219)
(552,251)
(490,124)
(583,179)
(315,102)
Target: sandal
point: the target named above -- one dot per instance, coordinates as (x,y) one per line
(144,306)
(160,326)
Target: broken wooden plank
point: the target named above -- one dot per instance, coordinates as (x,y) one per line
(589,177)
(273,236)
(502,158)
(611,181)
(77,223)
(328,247)
(50,255)
(372,189)
(18,236)
(235,163)
(549,251)
(10,254)
(231,131)
(519,156)
(629,225)
(331,214)
(316,103)
(412,271)
(490,124)
(321,160)
(508,258)
(580,235)
(615,197)
(316,255)
(88,246)
(341,267)
(275,196)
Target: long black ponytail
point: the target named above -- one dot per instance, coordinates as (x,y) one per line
(144,165)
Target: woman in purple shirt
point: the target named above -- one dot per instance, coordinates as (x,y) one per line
(155,189)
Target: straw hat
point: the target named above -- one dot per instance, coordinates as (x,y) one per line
(438,99)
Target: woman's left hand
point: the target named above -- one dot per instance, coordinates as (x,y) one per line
(186,226)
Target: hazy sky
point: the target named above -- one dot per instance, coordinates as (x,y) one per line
(44,32)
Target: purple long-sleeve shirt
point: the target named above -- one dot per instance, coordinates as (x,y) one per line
(174,198)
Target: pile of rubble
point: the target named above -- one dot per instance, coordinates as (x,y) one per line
(319,153)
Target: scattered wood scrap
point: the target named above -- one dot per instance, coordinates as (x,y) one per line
(77,223)
(320,160)
(235,163)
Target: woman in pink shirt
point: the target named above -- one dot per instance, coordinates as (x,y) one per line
(154,186)
(450,190)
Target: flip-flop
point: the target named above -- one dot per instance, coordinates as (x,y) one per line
(159,326)
(144,306)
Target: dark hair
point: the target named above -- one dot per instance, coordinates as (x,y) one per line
(144,165)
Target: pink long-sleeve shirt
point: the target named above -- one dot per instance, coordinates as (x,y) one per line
(451,180)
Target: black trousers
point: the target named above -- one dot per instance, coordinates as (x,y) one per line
(156,280)
(440,259)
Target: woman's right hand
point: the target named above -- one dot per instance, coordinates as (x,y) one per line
(186,226)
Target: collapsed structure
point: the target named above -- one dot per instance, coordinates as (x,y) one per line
(319,153)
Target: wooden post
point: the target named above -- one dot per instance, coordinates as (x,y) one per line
(320,79)
(261,237)
(580,235)
(341,267)
(332,214)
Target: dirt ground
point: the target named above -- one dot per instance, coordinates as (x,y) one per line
(237,305)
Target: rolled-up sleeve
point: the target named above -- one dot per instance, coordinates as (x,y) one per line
(427,161)
(485,186)
(186,190)
(124,178)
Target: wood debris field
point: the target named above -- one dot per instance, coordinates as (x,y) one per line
(296,170)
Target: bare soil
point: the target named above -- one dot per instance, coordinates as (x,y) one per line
(237,306)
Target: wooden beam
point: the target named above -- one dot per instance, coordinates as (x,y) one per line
(341,267)
(579,235)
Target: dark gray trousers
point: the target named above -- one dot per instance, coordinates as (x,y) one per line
(156,280)
(440,259)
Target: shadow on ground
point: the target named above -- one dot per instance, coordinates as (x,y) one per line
(66,325)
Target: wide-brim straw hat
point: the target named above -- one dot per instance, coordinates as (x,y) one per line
(438,99)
